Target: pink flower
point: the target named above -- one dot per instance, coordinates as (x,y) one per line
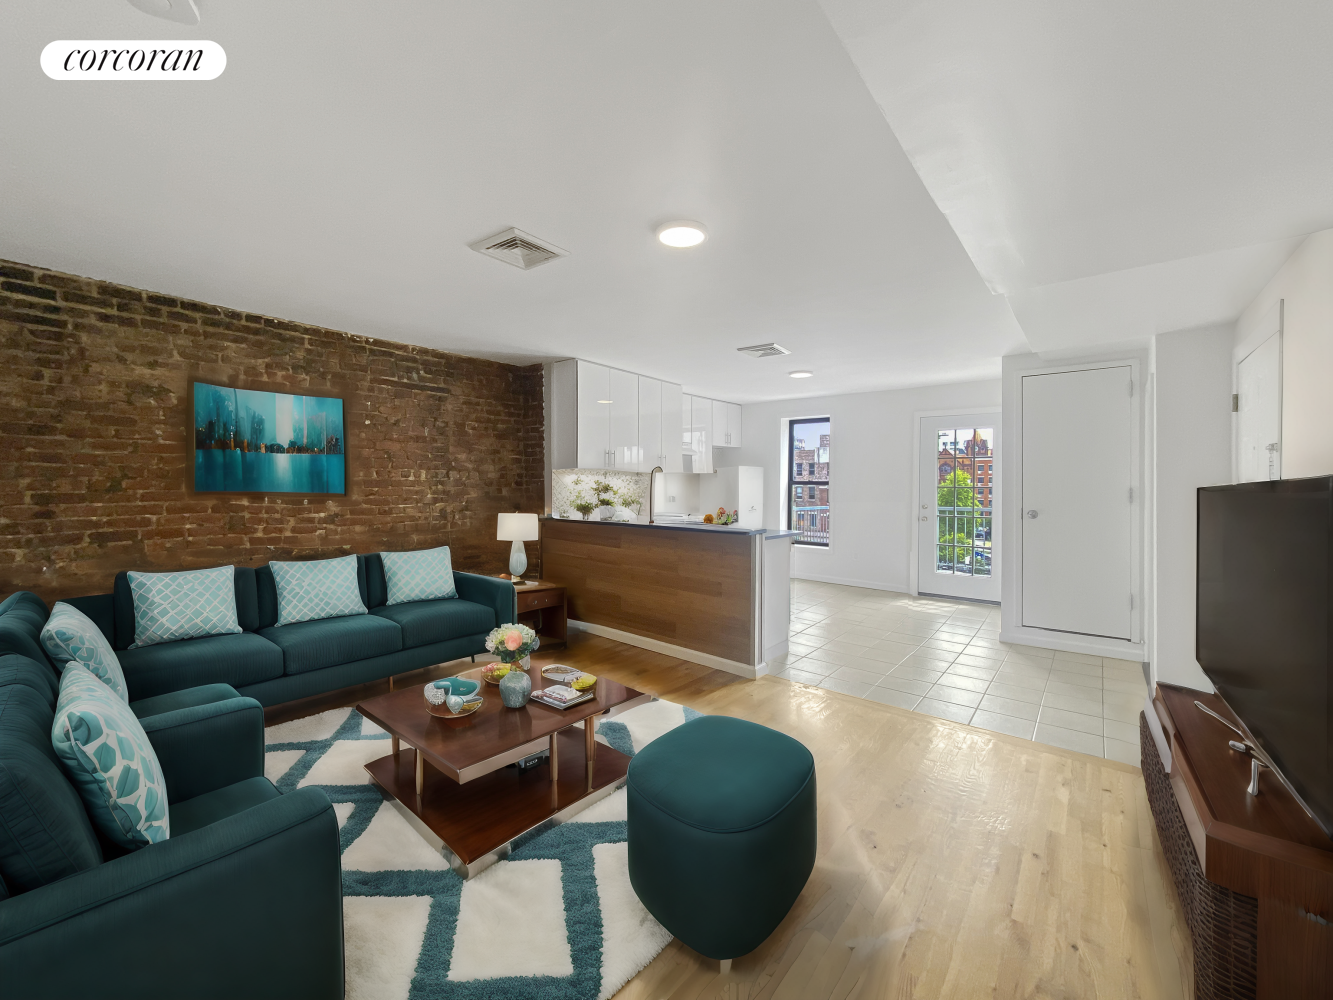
(513,640)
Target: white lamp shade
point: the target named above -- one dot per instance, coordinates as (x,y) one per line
(517,528)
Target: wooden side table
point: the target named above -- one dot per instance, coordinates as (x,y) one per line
(541,607)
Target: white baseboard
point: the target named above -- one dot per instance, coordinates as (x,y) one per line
(846,581)
(680,652)
(1069,642)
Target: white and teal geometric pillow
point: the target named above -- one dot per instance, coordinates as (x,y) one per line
(419,576)
(69,634)
(105,752)
(324,588)
(189,605)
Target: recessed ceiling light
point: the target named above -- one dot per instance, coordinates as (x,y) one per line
(682,234)
(800,374)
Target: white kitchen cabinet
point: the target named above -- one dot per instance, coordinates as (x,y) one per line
(672,429)
(650,424)
(594,415)
(734,424)
(726,424)
(623,439)
(701,433)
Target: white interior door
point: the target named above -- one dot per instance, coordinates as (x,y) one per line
(1259,412)
(1078,476)
(957,515)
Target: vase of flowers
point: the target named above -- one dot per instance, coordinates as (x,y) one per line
(513,644)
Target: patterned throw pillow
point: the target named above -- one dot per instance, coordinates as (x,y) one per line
(325,588)
(419,576)
(190,605)
(106,754)
(69,634)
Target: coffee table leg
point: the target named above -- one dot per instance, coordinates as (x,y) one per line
(589,745)
(421,772)
(555,758)
(393,744)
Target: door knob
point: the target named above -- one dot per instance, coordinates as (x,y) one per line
(1032,513)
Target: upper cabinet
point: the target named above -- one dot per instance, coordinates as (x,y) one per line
(726,424)
(605,418)
(701,434)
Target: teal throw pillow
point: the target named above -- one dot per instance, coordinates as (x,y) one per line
(189,605)
(69,635)
(325,588)
(104,750)
(418,576)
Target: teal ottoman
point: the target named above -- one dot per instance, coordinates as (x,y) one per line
(722,831)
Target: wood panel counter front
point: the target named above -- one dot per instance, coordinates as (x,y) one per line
(688,587)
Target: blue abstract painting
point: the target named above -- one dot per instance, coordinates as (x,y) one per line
(267,442)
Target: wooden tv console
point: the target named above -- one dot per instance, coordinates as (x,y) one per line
(1254,874)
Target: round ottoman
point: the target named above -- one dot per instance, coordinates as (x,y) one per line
(721,831)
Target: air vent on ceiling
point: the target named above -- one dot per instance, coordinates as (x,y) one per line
(764,350)
(521,249)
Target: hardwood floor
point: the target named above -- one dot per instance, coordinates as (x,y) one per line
(953,862)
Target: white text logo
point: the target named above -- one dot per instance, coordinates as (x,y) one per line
(146,60)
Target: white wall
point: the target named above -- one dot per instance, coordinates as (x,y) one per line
(1191,447)
(872,475)
(1305,283)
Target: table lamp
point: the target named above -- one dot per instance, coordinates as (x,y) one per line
(517,528)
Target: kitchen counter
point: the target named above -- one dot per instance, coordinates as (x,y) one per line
(641,521)
(714,594)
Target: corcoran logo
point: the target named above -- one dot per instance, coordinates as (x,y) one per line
(143,60)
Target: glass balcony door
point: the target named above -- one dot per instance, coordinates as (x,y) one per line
(957,513)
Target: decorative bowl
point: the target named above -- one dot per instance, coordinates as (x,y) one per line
(439,694)
(560,672)
(493,673)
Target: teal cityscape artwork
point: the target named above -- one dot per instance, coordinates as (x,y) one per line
(267,442)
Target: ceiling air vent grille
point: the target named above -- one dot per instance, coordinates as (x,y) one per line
(764,350)
(521,249)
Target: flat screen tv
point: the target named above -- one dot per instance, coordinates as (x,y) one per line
(1262,634)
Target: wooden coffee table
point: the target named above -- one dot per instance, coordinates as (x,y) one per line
(449,777)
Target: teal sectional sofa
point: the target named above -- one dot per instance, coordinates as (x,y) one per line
(279,664)
(243,899)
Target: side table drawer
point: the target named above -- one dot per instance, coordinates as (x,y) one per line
(540,599)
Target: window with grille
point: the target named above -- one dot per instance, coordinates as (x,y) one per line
(808,472)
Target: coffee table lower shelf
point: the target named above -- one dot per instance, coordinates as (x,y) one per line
(474,823)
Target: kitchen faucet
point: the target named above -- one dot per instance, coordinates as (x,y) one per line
(651,475)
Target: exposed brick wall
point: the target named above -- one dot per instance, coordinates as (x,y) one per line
(96,439)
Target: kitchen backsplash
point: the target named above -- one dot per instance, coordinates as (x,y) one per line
(573,486)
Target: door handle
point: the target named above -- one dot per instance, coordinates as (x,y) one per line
(1032,514)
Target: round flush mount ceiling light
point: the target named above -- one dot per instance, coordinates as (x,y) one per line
(682,234)
(800,374)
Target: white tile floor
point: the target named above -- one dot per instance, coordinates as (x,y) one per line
(945,658)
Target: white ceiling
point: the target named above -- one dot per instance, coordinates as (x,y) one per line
(339,168)
(1118,169)
(1113,170)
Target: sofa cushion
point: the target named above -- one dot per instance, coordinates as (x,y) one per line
(108,757)
(204,694)
(318,589)
(205,810)
(424,622)
(22,616)
(187,605)
(424,575)
(237,660)
(122,601)
(69,634)
(38,677)
(45,834)
(314,645)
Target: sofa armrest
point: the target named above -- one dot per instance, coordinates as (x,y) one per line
(490,591)
(207,747)
(250,906)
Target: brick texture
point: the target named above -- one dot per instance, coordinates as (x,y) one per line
(96,440)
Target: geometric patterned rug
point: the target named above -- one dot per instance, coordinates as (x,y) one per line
(558,920)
